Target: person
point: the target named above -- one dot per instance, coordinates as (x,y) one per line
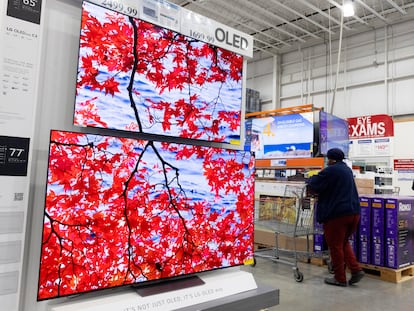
(338,210)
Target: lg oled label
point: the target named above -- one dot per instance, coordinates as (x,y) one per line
(27,10)
(14,153)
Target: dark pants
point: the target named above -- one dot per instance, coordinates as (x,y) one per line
(337,232)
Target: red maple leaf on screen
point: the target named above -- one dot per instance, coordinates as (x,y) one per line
(117,212)
(118,46)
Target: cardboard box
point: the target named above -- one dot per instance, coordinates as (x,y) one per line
(365,186)
(353,243)
(364,182)
(319,243)
(364,231)
(268,238)
(399,216)
(377,231)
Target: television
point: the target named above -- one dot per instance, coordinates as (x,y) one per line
(122,211)
(139,77)
(333,133)
(282,136)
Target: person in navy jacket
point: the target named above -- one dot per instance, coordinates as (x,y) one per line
(338,210)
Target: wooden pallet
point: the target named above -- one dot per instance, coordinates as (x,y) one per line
(388,274)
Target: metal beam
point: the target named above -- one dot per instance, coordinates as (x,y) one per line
(322,13)
(301,15)
(372,11)
(225,17)
(257,20)
(397,7)
(264,11)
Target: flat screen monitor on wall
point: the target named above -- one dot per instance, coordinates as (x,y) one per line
(140,77)
(121,211)
(333,133)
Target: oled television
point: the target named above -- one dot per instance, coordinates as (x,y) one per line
(282,136)
(122,211)
(333,133)
(139,77)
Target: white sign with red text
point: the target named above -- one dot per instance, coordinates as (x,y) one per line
(371,136)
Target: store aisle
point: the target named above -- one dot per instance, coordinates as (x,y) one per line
(313,295)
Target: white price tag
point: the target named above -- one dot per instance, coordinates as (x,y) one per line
(127,7)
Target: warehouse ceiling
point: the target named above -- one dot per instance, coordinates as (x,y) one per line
(279,26)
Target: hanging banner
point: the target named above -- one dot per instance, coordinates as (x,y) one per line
(371,136)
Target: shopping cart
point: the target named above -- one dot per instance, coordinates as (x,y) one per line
(290,215)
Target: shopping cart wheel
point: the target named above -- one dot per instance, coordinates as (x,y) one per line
(298,275)
(254,262)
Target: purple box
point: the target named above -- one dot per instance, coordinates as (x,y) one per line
(364,231)
(377,231)
(353,243)
(319,244)
(399,225)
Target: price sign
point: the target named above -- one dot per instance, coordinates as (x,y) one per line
(127,7)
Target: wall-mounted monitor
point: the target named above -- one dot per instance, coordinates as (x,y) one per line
(284,136)
(139,77)
(333,133)
(121,211)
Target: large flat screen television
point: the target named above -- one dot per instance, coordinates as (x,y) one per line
(333,133)
(121,211)
(283,136)
(140,77)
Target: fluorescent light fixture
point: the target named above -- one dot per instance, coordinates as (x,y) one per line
(348,8)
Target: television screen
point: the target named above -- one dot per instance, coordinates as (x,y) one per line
(122,211)
(333,133)
(140,77)
(284,136)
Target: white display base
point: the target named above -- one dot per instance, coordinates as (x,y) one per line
(217,284)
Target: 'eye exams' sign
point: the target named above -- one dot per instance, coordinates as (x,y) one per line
(371,136)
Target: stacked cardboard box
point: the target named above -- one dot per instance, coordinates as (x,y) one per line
(399,231)
(364,231)
(365,186)
(386,231)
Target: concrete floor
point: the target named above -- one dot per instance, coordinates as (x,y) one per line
(312,294)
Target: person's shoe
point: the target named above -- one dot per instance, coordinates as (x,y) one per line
(356,277)
(333,281)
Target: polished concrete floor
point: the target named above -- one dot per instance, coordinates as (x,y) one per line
(312,294)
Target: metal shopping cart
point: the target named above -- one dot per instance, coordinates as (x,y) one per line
(290,215)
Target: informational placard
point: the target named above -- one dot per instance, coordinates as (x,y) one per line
(210,31)
(20,32)
(405,169)
(162,13)
(14,155)
(19,59)
(27,10)
(371,136)
(217,284)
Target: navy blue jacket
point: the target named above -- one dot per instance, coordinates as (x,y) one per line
(337,192)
